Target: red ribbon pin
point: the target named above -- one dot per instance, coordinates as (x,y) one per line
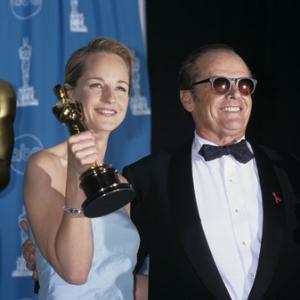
(276,198)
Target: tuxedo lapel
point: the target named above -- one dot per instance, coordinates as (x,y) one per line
(190,232)
(273,224)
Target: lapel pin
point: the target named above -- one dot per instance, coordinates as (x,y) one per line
(276,198)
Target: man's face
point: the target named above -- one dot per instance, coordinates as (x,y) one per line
(219,118)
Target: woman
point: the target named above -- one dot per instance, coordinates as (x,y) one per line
(78,257)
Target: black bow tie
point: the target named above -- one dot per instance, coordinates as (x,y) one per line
(239,151)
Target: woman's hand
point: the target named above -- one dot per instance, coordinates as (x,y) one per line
(122,179)
(141,287)
(83,151)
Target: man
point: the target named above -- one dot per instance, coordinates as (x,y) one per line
(7,114)
(218,222)
(218,226)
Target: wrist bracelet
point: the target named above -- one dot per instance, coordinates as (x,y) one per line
(72,210)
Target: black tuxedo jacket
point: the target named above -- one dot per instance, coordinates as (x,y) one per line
(181,264)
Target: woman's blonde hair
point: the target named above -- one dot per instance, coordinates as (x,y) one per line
(76,63)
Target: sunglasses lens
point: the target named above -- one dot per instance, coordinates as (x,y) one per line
(246,86)
(221,85)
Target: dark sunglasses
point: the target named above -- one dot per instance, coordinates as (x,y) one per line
(223,85)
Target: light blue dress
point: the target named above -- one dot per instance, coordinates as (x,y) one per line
(116,242)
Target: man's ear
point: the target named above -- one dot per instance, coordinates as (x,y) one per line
(187,101)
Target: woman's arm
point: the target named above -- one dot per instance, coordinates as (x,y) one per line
(63,239)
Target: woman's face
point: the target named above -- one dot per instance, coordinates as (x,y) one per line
(103,91)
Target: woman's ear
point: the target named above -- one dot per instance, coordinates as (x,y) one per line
(68,90)
(187,101)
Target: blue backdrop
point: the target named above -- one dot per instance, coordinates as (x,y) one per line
(36,38)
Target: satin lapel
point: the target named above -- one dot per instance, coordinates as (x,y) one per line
(185,213)
(273,224)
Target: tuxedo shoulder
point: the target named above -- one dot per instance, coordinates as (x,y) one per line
(282,162)
(161,158)
(278,154)
(150,160)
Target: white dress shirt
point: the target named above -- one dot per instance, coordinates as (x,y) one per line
(229,202)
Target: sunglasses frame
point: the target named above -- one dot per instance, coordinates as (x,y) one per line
(231,80)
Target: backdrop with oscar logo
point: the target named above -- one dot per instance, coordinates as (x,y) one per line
(36,38)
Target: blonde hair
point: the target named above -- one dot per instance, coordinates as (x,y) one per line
(76,63)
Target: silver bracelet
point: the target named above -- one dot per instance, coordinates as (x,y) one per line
(72,210)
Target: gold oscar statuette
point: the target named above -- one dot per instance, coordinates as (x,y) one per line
(7,115)
(100,182)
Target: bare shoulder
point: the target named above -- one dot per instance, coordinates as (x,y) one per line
(50,158)
(47,168)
